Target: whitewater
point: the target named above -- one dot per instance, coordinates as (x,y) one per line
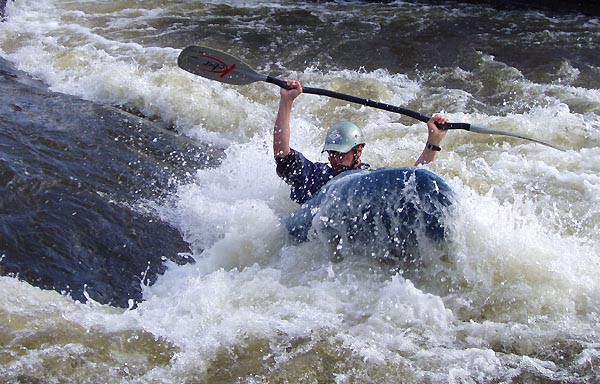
(514,296)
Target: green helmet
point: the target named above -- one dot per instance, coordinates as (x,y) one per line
(342,137)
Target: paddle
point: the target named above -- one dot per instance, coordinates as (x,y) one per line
(217,65)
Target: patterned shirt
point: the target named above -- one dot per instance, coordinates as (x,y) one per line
(305,177)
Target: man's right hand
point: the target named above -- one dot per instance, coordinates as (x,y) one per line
(291,94)
(281,131)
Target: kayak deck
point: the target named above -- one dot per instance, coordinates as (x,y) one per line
(383,213)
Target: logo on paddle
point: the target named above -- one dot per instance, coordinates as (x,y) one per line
(210,64)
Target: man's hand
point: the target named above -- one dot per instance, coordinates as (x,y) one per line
(434,139)
(281,131)
(291,94)
(436,135)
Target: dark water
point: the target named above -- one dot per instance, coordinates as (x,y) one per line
(71,174)
(400,37)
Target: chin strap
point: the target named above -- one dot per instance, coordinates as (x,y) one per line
(355,161)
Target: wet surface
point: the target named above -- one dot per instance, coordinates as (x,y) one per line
(75,179)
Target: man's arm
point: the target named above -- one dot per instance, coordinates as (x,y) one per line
(434,139)
(281,131)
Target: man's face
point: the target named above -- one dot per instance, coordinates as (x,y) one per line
(341,160)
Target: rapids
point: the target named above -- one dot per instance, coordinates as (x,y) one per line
(513,297)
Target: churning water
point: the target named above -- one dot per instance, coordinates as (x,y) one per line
(516,295)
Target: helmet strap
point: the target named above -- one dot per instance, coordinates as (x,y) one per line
(355,160)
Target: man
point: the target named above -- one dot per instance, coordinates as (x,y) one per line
(344,145)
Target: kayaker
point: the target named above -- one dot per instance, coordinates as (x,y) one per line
(344,144)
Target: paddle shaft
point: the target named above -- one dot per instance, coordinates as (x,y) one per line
(219,66)
(403,111)
(368,103)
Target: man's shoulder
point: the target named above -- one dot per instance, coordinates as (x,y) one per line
(295,163)
(297,156)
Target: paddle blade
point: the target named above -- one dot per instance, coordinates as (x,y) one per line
(492,131)
(217,65)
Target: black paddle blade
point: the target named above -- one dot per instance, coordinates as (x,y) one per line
(216,65)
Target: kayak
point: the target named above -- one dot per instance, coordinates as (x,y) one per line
(384,213)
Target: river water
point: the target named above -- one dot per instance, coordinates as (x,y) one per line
(515,297)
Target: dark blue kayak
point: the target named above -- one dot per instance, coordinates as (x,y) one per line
(384,213)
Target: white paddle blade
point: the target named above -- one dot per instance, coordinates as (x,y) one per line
(492,131)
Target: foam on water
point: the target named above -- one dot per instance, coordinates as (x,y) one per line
(506,277)
(74,59)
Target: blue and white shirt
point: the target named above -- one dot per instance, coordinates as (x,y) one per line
(305,177)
